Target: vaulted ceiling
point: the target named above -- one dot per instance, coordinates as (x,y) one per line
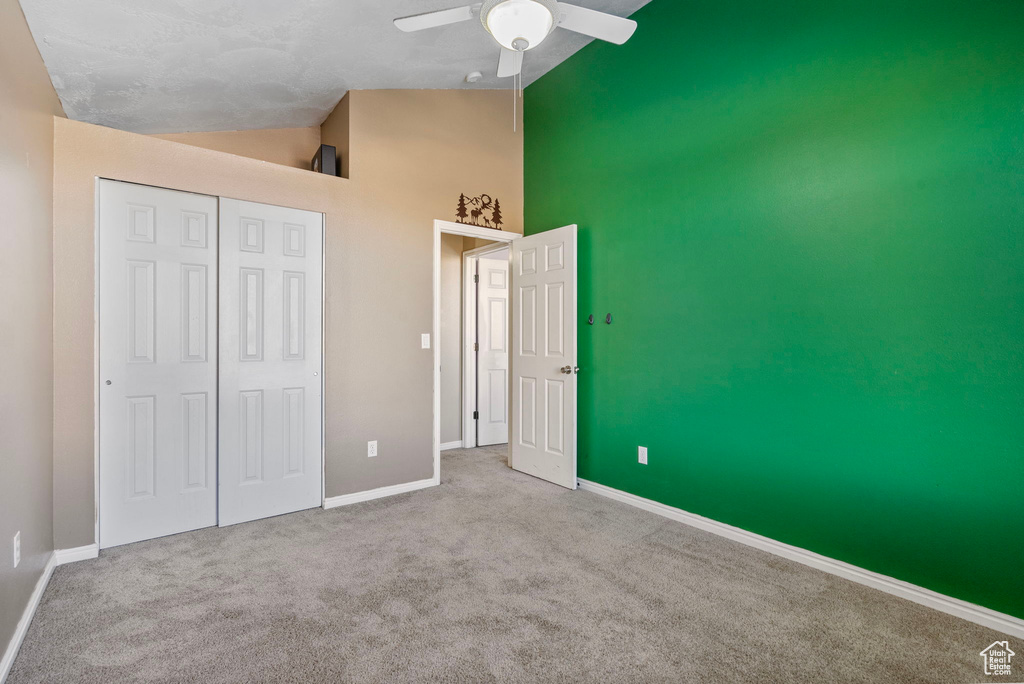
(153,66)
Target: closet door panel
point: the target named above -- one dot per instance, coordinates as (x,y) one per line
(157,362)
(270,360)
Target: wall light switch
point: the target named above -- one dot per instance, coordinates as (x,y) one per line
(425,341)
(371,449)
(17,548)
(642,454)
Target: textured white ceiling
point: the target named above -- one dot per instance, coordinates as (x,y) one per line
(157,66)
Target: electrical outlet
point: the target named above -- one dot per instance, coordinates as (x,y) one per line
(371,449)
(641,453)
(425,341)
(17,548)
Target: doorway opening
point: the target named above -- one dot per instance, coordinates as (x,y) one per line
(459,252)
(486,320)
(537,333)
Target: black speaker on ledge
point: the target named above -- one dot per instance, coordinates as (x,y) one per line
(326,161)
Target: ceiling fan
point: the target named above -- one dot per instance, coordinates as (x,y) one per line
(521,25)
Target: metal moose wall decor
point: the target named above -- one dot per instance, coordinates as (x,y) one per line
(479,211)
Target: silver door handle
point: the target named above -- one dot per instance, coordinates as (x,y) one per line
(566,369)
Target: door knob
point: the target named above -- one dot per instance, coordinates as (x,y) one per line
(566,369)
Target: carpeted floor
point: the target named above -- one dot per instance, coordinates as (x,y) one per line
(493,576)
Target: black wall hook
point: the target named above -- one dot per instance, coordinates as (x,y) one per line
(590,319)
(608,319)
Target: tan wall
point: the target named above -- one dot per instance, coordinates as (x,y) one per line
(286,146)
(413,153)
(451,338)
(334,131)
(27,106)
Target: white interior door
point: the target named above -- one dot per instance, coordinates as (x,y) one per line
(544,355)
(270,360)
(158,362)
(492,356)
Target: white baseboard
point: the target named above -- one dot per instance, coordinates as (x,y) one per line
(26,619)
(1001,622)
(451,445)
(347,499)
(78,553)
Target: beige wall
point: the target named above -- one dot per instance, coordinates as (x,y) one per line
(412,152)
(334,131)
(286,146)
(27,106)
(451,338)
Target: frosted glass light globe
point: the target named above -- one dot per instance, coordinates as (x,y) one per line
(512,20)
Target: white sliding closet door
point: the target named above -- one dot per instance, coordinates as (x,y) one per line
(157,362)
(270,360)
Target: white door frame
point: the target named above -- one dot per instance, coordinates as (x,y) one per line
(465,230)
(323,343)
(470,260)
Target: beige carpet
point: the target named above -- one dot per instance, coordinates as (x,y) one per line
(493,576)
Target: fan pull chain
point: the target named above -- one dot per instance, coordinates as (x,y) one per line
(521,55)
(517,86)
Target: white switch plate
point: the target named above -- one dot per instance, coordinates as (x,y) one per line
(371,449)
(17,548)
(642,454)
(425,341)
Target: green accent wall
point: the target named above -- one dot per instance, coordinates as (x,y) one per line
(807,219)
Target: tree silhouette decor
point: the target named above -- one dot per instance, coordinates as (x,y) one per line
(485,212)
(496,214)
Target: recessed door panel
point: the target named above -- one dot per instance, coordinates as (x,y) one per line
(194,296)
(527,404)
(141,447)
(194,228)
(157,373)
(195,439)
(141,291)
(250,436)
(527,336)
(294,431)
(250,307)
(294,302)
(554,328)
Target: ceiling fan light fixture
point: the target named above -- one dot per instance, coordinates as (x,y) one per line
(519,24)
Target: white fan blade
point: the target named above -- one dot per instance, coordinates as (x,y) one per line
(510,63)
(596,24)
(418,22)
